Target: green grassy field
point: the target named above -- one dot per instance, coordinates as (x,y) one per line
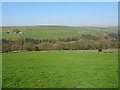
(50,32)
(60,70)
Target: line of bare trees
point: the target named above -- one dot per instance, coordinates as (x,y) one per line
(84,42)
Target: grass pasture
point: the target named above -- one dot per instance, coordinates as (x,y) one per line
(60,69)
(50,32)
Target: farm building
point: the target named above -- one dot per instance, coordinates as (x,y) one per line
(15,32)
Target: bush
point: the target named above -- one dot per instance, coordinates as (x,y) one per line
(99,50)
(37,49)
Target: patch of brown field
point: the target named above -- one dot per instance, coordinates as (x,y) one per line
(100,26)
(103,26)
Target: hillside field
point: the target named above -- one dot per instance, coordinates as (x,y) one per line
(53,32)
(60,69)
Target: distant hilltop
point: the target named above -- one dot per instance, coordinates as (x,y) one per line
(63,25)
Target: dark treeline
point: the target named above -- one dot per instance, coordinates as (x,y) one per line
(85,42)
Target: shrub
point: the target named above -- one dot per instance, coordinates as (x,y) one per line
(37,49)
(99,50)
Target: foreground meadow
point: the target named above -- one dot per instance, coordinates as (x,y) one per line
(60,69)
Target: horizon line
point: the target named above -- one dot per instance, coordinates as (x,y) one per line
(54,25)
